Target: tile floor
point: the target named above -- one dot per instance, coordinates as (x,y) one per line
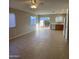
(42,44)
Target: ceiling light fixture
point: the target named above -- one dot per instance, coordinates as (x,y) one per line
(33,6)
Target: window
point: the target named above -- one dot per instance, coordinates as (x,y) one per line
(12,20)
(59,19)
(44,18)
(33,20)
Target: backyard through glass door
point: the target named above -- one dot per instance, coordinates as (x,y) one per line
(40,23)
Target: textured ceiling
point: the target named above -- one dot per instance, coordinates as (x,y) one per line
(47,6)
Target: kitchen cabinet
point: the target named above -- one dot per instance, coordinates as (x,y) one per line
(59,27)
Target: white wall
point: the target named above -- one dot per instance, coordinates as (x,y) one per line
(23,23)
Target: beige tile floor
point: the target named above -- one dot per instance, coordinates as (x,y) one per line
(42,44)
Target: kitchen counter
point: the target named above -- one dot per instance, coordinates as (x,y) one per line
(57,26)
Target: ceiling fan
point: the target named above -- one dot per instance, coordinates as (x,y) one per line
(33,3)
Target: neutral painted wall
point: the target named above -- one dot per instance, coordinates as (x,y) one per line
(23,25)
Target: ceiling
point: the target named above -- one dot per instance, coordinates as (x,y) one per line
(47,7)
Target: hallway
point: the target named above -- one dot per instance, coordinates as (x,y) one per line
(42,44)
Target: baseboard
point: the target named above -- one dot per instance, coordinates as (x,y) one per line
(19,35)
